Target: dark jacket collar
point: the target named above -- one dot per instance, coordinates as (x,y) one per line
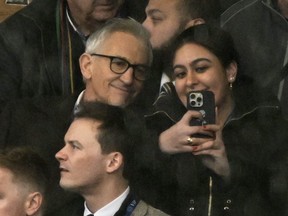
(169,107)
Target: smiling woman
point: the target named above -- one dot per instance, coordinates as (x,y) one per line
(208,175)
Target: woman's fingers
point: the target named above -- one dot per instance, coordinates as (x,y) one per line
(191,114)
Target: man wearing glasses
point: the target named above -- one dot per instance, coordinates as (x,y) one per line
(114,66)
(116,61)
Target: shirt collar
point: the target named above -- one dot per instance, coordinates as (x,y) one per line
(79,99)
(74,26)
(111,208)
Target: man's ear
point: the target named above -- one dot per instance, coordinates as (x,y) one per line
(194,22)
(114,162)
(85,62)
(33,203)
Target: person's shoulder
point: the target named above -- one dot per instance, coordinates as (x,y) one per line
(144,209)
(73,208)
(167,104)
(35,12)
(44,105)
(237,9)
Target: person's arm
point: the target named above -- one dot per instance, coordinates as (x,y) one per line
(5,122)
(10,76)
(174,139)
(211,150)
(213,153)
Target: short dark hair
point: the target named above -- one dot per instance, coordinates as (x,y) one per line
(117,131)
(213,38)
(27,167)
(209,10)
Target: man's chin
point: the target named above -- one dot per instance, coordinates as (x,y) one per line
(123,103)
(103,15)
(67,186)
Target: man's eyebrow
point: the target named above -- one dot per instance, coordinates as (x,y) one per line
(121,57)
(153,11)
(74,142)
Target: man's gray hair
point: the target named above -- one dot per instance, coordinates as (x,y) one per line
(129,26)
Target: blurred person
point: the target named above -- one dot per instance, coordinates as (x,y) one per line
(24,180)
(260,30)
(165,20)
(225,4)
(40,46)
(113,71)
(97,159)
(232,170)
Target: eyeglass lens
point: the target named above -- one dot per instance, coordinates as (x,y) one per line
(119,65)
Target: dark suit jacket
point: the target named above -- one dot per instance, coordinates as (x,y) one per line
(40,123)
(76,208)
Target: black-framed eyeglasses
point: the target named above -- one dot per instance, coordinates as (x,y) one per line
(119,66)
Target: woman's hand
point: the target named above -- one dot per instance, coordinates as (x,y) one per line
(213,153)
(174,140)
(211,150)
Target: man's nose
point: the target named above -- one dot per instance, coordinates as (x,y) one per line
(60,155)
(128,76)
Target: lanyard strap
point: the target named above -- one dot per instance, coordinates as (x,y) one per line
(65,48)
(131,207)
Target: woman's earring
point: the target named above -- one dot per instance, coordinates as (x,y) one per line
(231,82)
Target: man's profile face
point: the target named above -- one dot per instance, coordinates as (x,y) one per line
(105,86)
(163,21)
(82,164)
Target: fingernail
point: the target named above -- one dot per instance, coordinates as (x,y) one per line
(194,148)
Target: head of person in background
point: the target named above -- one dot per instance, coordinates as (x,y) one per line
(166,19)
(97,157)
(116,62)
(90,15)
(24,179)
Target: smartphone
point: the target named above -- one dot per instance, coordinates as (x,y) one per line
(203,102)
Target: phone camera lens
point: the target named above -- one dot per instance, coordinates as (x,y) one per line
(193,103)
(199,99)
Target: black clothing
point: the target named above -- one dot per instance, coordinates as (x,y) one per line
(41,124)
(254,134)
(39,53)
(76,207)
(260,34)
(32,62)
(225,4)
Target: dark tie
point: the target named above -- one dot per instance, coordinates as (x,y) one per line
(90,215)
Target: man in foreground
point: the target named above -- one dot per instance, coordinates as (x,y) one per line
(97,160)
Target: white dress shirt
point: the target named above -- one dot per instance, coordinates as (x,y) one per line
(111,208)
